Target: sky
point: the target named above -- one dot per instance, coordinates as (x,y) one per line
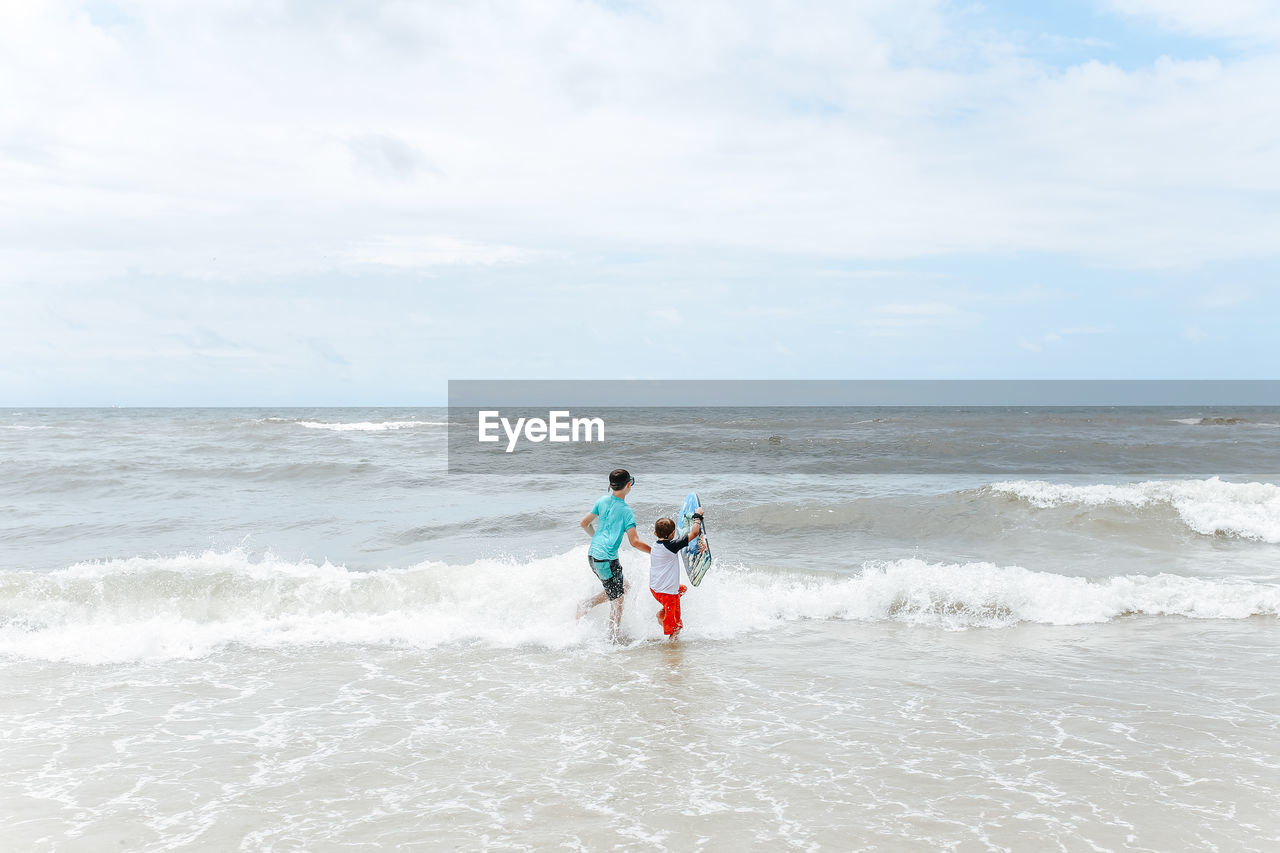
(308,202)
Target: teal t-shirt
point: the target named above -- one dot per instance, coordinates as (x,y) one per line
(614,519)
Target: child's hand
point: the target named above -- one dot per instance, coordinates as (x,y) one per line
(698,510)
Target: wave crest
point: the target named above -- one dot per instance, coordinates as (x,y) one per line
(1211,507)
(362,426)
(192,606)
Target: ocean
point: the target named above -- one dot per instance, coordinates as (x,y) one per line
(926,629)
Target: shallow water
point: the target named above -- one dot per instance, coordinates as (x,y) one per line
(240,630)
(1144,734)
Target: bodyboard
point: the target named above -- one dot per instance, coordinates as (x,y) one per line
(695,562)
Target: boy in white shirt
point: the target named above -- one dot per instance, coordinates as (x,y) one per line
(664,569)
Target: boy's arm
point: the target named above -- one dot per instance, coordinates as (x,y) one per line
(695,529)
(634,539)
(588,523)
(675,546)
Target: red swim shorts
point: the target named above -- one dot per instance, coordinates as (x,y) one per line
(670,610)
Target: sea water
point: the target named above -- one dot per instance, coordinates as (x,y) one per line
(926,629)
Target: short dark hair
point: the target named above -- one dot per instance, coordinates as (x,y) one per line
(663,528)
(619,478)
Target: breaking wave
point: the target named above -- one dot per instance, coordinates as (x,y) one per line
(364,426)
(1211,507)
(198,605)
(1222,421)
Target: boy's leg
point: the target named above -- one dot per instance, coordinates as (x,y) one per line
(588,603)
(616,590)
(671,622)
(662,609)
(615,617)
(679,620)
(602,596)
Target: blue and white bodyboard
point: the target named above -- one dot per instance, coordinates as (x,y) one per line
(695,562)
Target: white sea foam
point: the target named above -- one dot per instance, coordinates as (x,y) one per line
(954,595)
(363,426)
(1222,421)
(369,427)
(1211,421)
(1212,507)
(193,606)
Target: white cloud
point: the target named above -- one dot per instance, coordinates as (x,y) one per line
(289,184)
(425,252)
(919,309)
(904,317)
(276,137)
(669,317)
(1039,344)
(1224,296)
(1246,20)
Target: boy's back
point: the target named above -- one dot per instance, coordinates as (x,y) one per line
(613,519)
(664,571)
(664,564)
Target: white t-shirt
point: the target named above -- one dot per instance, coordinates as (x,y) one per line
(664,565)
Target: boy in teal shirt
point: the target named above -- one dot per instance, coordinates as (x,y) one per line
(609,520)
